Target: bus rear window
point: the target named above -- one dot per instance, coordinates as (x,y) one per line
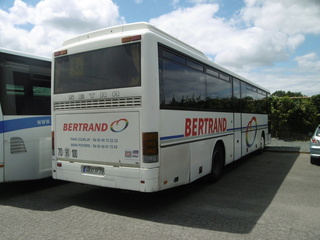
(108,68)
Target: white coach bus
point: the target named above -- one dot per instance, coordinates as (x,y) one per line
(25,121)
(134,108)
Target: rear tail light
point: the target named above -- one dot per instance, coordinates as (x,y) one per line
(314,140)
(150,147)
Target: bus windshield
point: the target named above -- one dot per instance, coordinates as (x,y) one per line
(108,68)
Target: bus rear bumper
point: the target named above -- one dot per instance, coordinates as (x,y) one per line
(128,178)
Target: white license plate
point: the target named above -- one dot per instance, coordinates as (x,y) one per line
(93,170)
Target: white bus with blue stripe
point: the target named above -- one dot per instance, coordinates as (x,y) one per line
(25,116)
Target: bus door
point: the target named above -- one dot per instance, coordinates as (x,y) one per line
(237,120)
(1,146)
(18,161)
(1,127)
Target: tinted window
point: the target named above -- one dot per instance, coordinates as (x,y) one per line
(188,84)
(236,95)
(25,89)
(181,86)
(114,67)
(219,94)
(253,99)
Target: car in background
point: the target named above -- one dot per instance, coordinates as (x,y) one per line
(315,147)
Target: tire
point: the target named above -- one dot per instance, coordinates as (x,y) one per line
(217,165)
(314,161)
(262,144)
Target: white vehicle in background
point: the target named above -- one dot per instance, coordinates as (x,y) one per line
(315,147)
(135,108)
(25,116)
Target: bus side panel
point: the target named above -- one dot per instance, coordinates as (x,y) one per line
(191,137)
(27,152)
(174,166)
(201,158)
(252,128)
(237,136)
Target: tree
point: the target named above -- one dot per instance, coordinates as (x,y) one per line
(293,114)
(281,108)
(280,93)
(316,102)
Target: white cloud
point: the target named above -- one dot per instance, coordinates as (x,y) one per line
(175,3)
(197,26)
(254,47)
(287,16)
(308,84)
(77,15)
(53,21)
(309,62)
(19,13)
(264,33)
(202,1)
(232,47)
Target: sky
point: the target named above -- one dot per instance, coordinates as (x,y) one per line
(275,43)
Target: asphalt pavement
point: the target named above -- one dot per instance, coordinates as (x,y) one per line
(273,195)
(278,145)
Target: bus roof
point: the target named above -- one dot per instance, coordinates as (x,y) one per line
(22,54)
(140,27)
(134,28)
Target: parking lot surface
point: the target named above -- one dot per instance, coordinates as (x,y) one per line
(269,196)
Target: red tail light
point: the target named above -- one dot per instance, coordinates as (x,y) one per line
(150,143)
(150,147)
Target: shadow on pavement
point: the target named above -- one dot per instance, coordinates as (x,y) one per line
(234,204)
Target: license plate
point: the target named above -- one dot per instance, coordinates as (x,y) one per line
(93,170)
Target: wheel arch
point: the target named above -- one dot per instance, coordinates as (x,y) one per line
(218,161)
(263,134)
(220,144)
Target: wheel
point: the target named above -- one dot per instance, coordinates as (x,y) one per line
(217,165)
(314,161)
(262,144)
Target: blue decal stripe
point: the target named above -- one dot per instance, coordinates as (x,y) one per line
(171,137)
(244,128)
(24,123)
(1,127)
(228,130)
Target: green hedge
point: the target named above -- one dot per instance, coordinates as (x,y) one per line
(294,116)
